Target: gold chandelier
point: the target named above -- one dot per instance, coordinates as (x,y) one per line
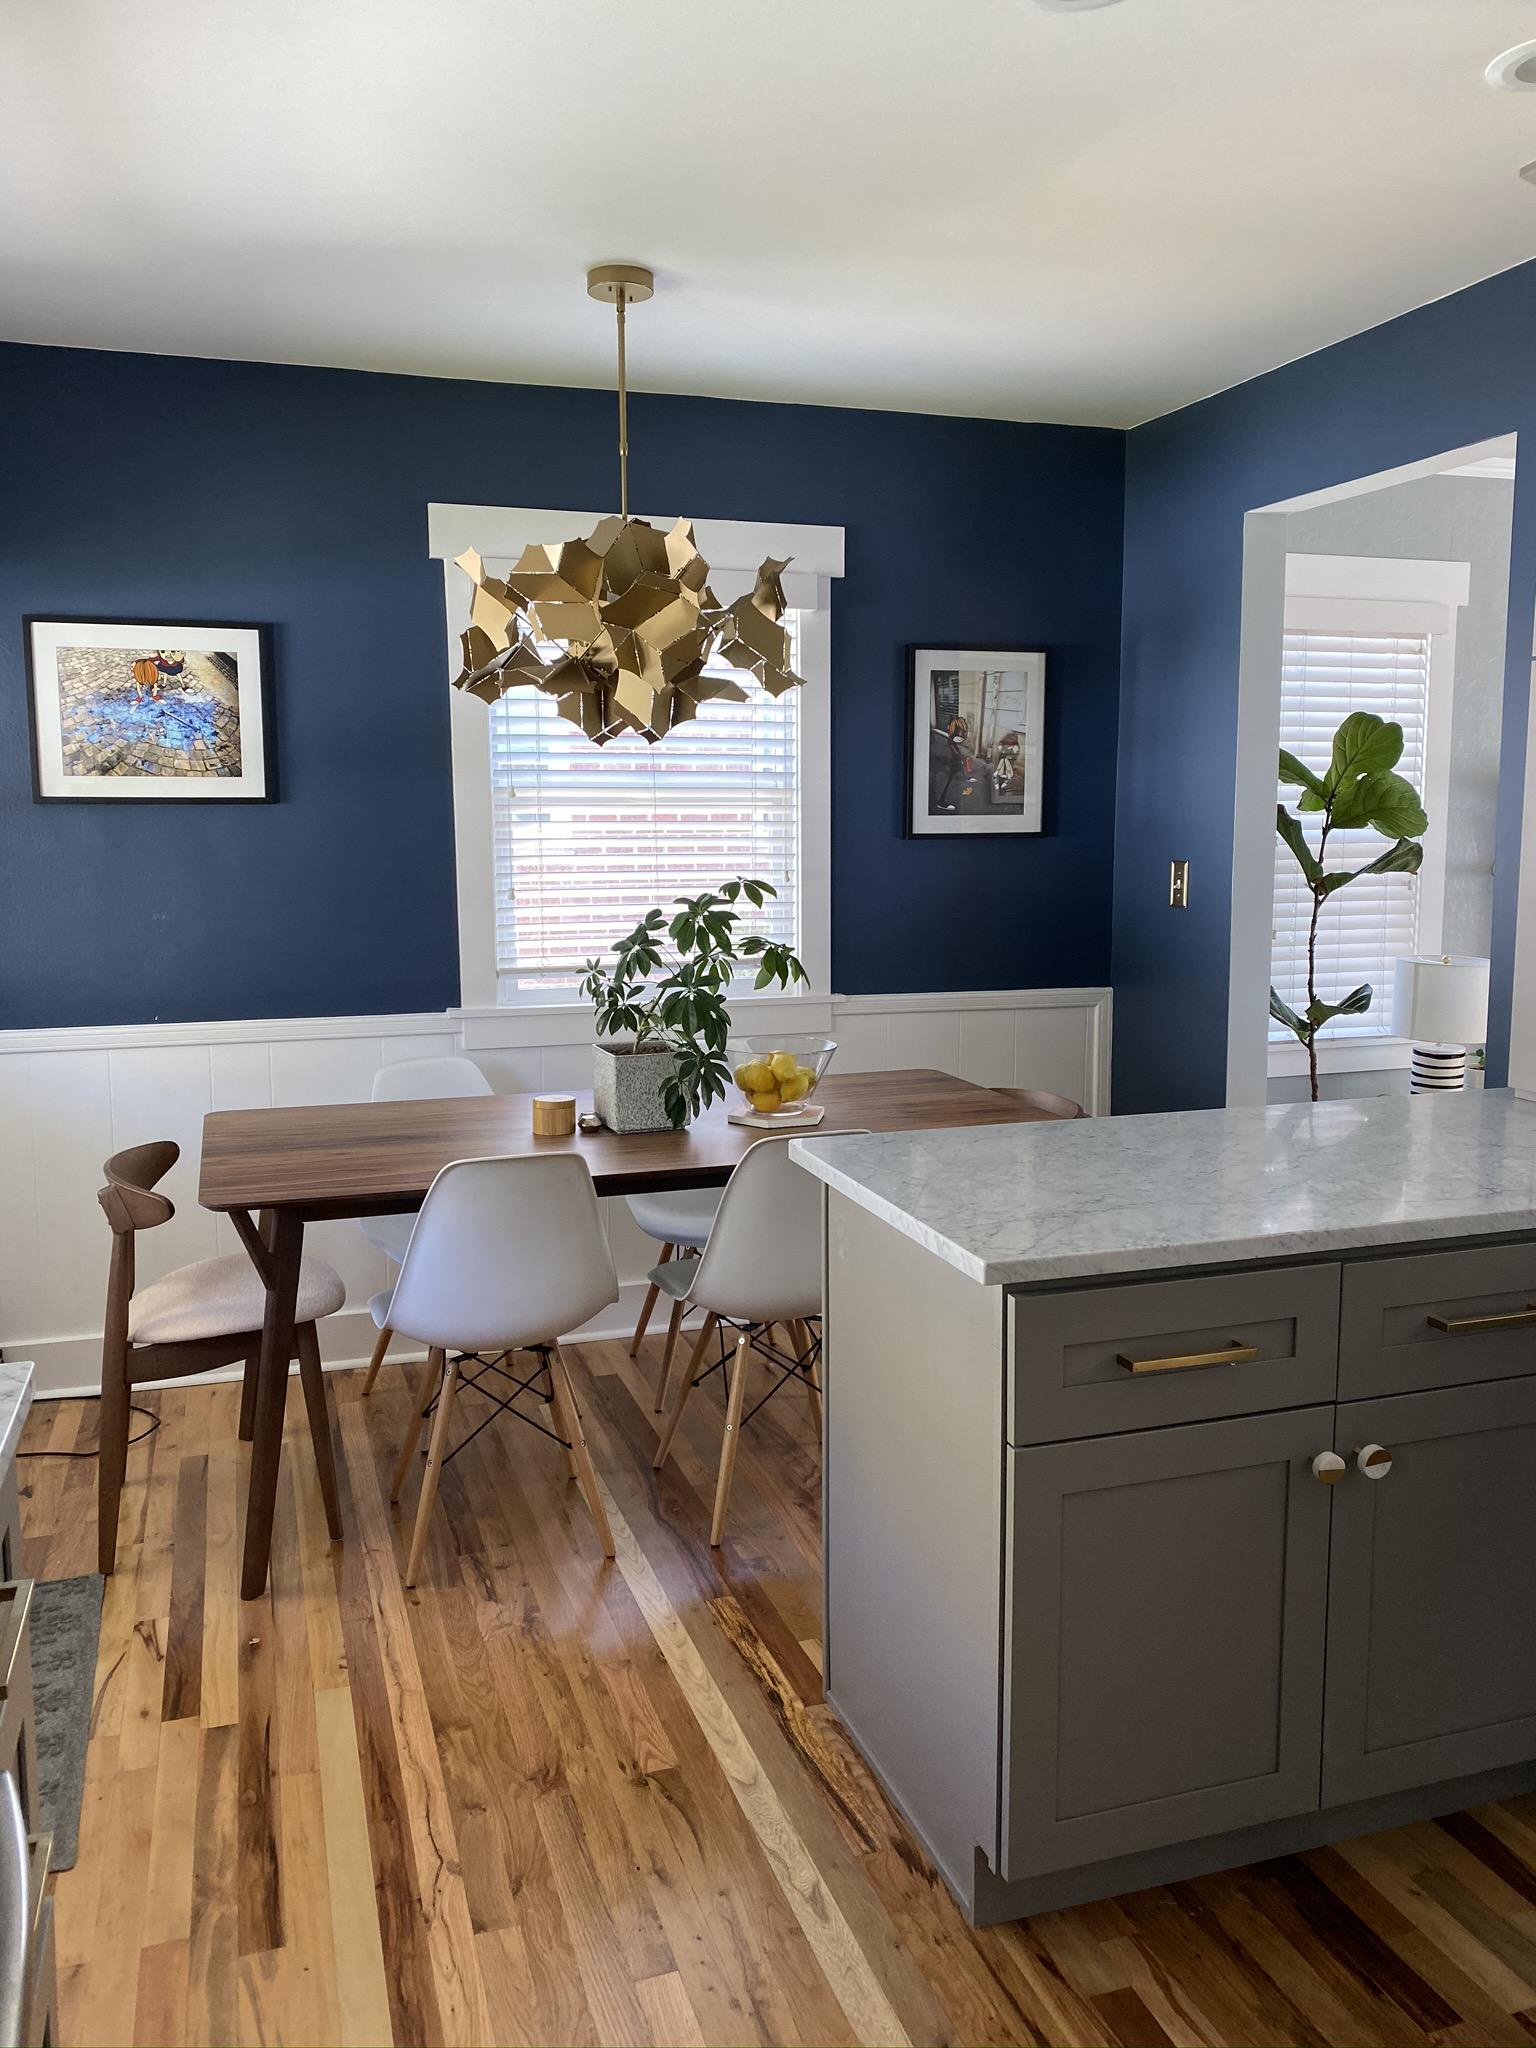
(618,627)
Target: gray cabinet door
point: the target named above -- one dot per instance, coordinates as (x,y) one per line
(1164,1637)
(1432,1599)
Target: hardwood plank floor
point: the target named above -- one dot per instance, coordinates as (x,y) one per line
(542,1799)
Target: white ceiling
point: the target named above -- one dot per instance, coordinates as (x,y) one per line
(966,206)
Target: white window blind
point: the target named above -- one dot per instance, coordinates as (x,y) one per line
(1364,928)
(587,839)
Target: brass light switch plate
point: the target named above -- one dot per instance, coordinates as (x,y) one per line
(1178,884)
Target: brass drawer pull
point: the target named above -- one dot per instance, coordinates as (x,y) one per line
(1234,1353)
(1468,1326)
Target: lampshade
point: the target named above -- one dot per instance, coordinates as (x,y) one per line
(1441,999)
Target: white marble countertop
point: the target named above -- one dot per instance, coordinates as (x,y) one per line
(1021,1203)
(15,1401)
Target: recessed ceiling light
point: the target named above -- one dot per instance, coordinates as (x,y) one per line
(1073,6)
(1515,71)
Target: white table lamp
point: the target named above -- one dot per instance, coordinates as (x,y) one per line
(1440,1001)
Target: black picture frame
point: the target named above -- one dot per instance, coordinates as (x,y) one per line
(46,752)
(978,812)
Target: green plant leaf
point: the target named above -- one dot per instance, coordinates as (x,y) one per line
(1363,745)
(1282,1012)
(1404,858)
(1291,832)
(1392,806)
(1297,772)
(1355,1004)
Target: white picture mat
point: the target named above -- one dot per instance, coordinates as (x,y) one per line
(243,642)
(1030,663)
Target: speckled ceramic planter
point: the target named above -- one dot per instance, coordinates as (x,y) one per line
(626,1087)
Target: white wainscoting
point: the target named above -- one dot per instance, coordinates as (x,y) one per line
(69,1098)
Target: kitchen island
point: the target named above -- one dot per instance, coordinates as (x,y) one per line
(1180,1482)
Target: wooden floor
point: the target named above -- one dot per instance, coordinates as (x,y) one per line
(540,1800)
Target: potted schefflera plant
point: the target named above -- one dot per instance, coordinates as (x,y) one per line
(662,1022)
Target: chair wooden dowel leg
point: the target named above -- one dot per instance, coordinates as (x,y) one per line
(424,1386)
(732,1436)
(248,1397)
(649,1303)
(804,1351)
(664,1382)
(111,1464)
(569,1424)
(684,1389)
(554,1405)
(430,1478)
(380,1346)
(312,1378)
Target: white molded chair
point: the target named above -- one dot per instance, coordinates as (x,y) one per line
(680,1221)
(507,1255)
(430,1080)
(771,1203)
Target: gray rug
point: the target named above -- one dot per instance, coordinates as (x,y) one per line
(66,1621)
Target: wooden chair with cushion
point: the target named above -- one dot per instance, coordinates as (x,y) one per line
(1042,1099)
(193,1320)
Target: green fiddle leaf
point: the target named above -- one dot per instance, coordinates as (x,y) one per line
(1363,745)
(1297,772)
(1393,807)
(1291,832)
(1355,1004)
(1282,1013)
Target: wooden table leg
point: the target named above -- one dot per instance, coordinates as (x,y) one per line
(277,1339)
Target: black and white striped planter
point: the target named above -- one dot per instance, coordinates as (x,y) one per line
(1438,1069)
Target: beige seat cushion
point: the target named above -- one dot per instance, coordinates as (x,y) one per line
(223,1298)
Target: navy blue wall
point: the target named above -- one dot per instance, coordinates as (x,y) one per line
(141,486)
(1440,378)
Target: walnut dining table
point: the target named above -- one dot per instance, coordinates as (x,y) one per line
(272,1171)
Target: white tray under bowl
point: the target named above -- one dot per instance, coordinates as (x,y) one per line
(779,1120)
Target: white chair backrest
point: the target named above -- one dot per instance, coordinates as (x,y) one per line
(506,1252)
(428,1080)
(762,1263)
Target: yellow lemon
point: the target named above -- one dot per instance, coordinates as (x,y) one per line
(766,1100)
(792,1089)
(808,1075)
(785,1066)
(755,1076)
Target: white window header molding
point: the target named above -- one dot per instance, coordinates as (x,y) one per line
(498,531)
(1378,579)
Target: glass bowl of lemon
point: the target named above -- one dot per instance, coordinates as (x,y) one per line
(777,1076)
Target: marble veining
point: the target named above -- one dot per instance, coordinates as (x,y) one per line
(15,1400)
(1019,1203)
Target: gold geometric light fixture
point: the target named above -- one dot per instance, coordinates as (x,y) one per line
(618,627)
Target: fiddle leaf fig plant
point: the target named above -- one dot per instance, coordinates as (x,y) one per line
(1360,788)
(666,990)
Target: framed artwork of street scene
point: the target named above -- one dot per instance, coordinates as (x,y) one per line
(976,740)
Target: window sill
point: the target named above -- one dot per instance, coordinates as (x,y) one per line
(1342,1056)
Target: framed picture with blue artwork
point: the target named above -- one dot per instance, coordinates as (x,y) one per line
(149,710)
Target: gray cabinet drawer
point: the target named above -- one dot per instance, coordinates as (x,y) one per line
(1163,1649)
(1392,1334)
(1096,1360)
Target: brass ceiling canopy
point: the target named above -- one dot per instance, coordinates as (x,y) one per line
(617,628)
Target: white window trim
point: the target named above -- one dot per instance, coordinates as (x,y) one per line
(501,532)
(1387,595)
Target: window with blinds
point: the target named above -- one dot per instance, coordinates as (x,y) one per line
(1364,928)
(587,839)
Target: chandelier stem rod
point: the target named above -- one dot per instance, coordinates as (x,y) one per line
(618,305)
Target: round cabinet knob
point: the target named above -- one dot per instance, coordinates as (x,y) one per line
(1329,1467)
(1374,1460)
